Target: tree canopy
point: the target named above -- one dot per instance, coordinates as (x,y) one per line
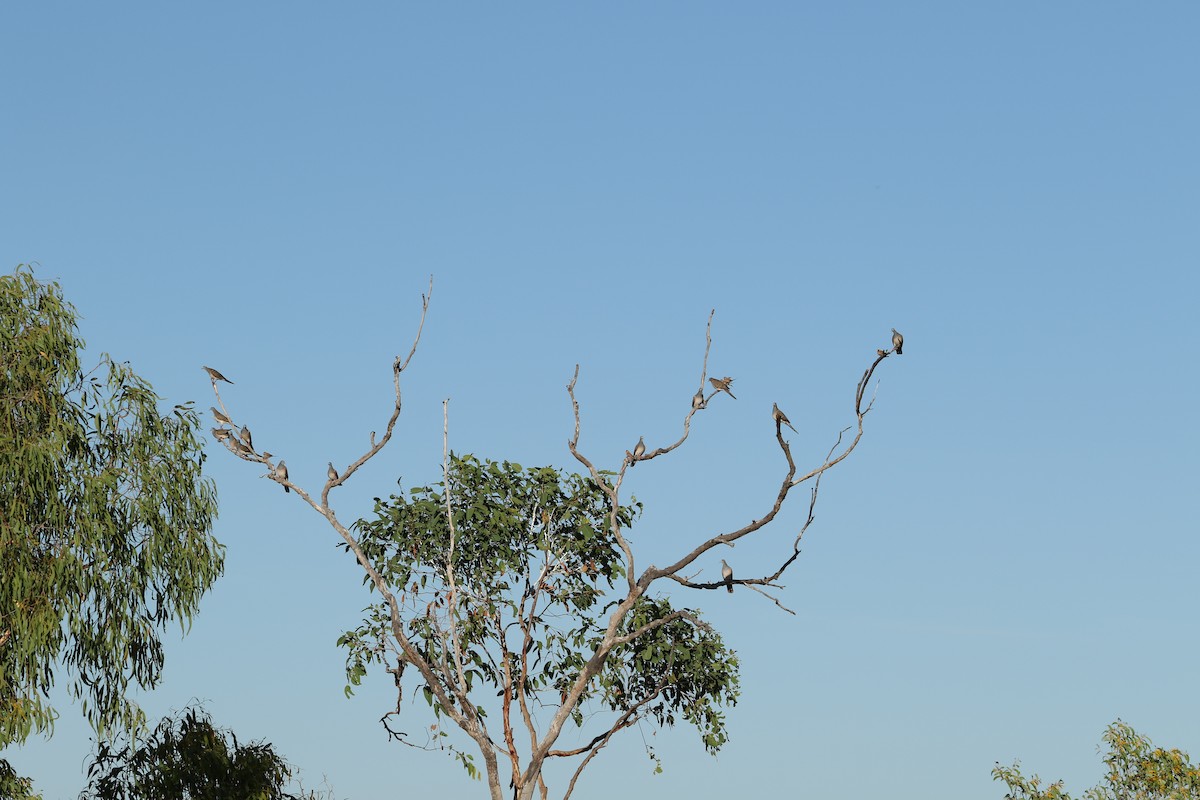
(511,599)
(186,757)
(105,519)
(527,594)
(1136,770)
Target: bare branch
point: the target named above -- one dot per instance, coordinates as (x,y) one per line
(398,366)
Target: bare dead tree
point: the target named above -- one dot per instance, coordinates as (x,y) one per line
(436,626)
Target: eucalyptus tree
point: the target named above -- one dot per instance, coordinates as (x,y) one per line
(105,520)
(1134,770)
(511,601)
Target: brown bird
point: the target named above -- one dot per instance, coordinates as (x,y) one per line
(639,450)
(216,376)
(727,576)
(281,474)
(221,433)
(331,472)
(219,417)
(245,437)
(897,342)
(781,417)
(722,385)
(881,352)
(698,398)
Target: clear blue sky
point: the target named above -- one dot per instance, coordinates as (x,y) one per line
(1007,563)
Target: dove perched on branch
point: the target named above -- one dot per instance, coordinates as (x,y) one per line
(219,417)
(898,342)
(216,376)
(331,472)
(727,576)
(698,398)
(281,474)
(221,433)
(639,450)
(722,385)
(245,437)
(781,417)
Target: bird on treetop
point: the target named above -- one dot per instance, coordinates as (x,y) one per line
(216,376)
(781,417)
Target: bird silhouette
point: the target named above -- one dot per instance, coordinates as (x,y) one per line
(781,417)
(898,342)
(722,385)
(216,376)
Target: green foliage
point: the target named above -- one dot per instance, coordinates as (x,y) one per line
(13,786)
(538,572)
(1137,770)
(696,672)
(104,519)
(187,758)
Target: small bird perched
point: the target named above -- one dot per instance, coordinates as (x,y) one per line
(727,575)
(781,417)
(897,342)
(698,398)
(881,352)
(722,385)
(639,450)
(239,449)
(221,433)
(331,472)
(219,417)
(281,474)
(245,437)
(216,376)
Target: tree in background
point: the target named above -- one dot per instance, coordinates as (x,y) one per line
(187,758)
(105,520)
(1137,770)
(510,599)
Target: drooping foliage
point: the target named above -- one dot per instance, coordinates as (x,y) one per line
(105,519)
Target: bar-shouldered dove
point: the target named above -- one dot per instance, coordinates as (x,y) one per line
(727,576)
(722,385)
(216,376)
(781,417)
